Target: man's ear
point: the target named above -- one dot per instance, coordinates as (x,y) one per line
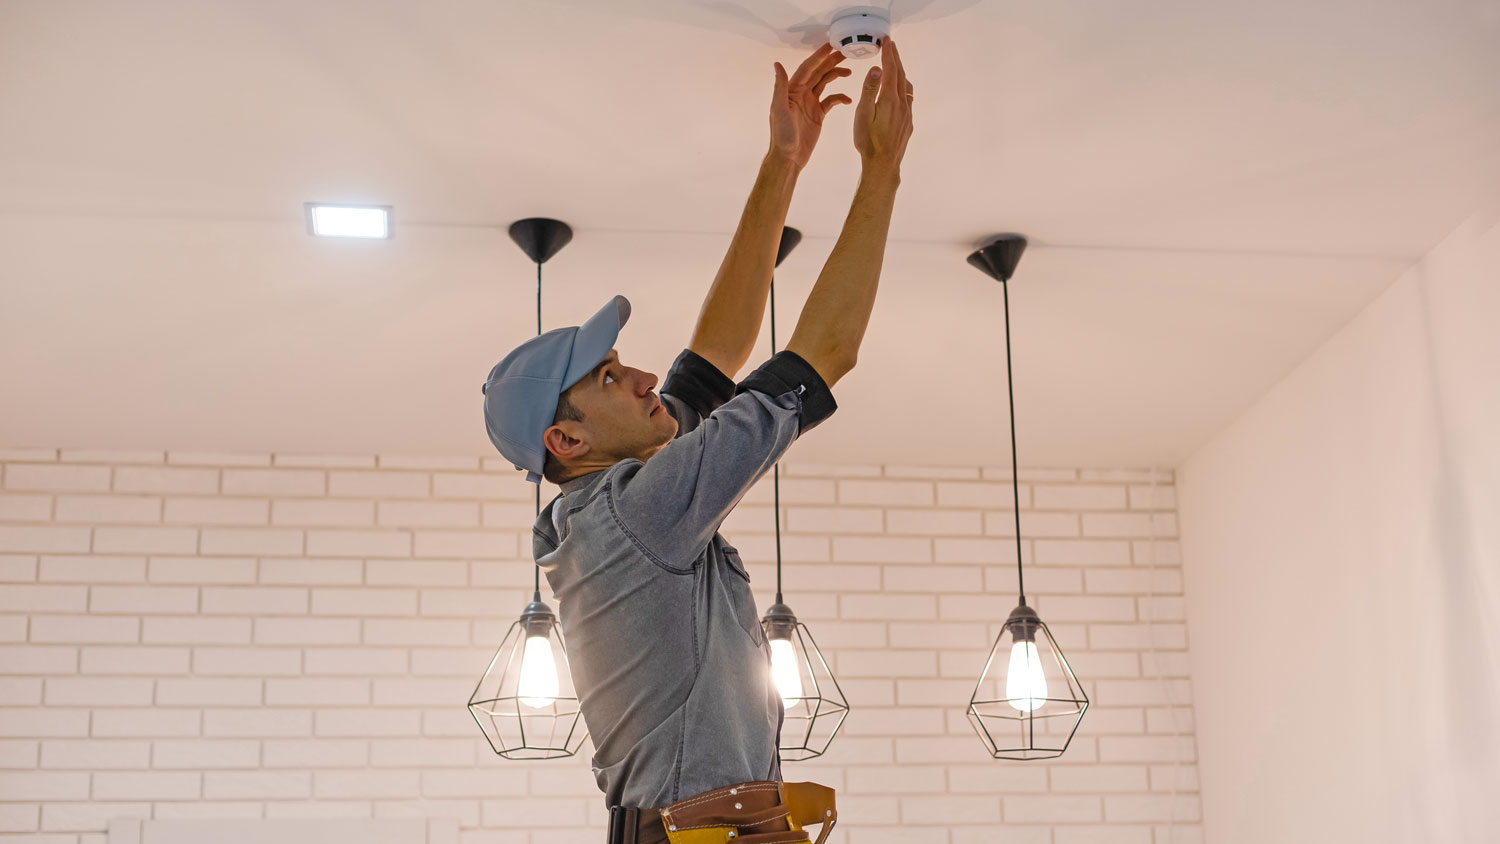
(562,444)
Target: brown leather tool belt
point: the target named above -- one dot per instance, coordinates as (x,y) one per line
(758,812)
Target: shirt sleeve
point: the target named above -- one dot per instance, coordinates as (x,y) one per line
(693,389)
(672,504)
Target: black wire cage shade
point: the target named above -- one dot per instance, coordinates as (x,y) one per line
(1027,704)
(813,705)
(525,702)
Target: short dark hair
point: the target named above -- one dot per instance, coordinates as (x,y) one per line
(552,469)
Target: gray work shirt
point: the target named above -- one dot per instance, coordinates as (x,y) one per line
(667,654)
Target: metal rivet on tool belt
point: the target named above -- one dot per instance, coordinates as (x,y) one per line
(732,833)
(732,791)
(829,813)
(738,806)
(673,828)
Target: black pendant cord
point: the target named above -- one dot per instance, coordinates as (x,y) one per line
(1015,470)
(776,470)
(536,588)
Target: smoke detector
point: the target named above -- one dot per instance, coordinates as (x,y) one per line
(859,32)
(799,24)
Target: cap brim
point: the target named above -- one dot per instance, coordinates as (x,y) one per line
(595,338)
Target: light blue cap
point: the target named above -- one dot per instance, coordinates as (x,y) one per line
(520,397)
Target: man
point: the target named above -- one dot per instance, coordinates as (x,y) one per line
(666,648)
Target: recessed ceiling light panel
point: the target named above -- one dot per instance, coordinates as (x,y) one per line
(348,220)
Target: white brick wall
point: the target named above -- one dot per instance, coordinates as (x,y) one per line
(289,636)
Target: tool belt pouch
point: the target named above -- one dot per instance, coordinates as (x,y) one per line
(759,812)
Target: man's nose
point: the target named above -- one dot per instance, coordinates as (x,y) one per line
(645,382)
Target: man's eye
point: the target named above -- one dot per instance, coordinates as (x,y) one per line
(608,379)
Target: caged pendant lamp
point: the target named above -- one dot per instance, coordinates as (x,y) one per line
(1027,704)
(525,702)
(814,706)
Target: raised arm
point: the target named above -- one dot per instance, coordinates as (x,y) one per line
(736,303)
(833,321)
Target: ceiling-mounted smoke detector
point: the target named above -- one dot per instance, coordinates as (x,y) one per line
(802,24)
(860,31)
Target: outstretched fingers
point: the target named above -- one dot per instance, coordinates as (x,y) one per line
(902,89)
(888,76)
(835,100)
(864,111)
(816,65)
(829,77)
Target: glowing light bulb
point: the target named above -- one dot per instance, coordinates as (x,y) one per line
(785,671)
(1025,681)
(537,686)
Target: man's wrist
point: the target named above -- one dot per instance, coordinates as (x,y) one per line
(780,163)
(877,175)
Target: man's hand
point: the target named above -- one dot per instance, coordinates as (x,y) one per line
(833,321)
(796,112)
(882,127)
(736,302)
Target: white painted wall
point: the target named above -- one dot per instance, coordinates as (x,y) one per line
(271,636)
(1342,545)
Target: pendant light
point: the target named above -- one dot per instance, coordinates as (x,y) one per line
(813,705)
(1027,704)
(525,702)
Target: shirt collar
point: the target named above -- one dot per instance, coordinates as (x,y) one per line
(569,487)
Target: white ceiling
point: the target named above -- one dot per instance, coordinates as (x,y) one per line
(1210,189)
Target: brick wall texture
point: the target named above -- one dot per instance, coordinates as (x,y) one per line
(241,636)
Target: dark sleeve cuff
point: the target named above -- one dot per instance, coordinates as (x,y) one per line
(786,372)
(699,384)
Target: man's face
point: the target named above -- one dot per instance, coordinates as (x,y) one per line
(622,416)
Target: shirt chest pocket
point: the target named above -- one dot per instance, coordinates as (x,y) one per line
(737,582)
